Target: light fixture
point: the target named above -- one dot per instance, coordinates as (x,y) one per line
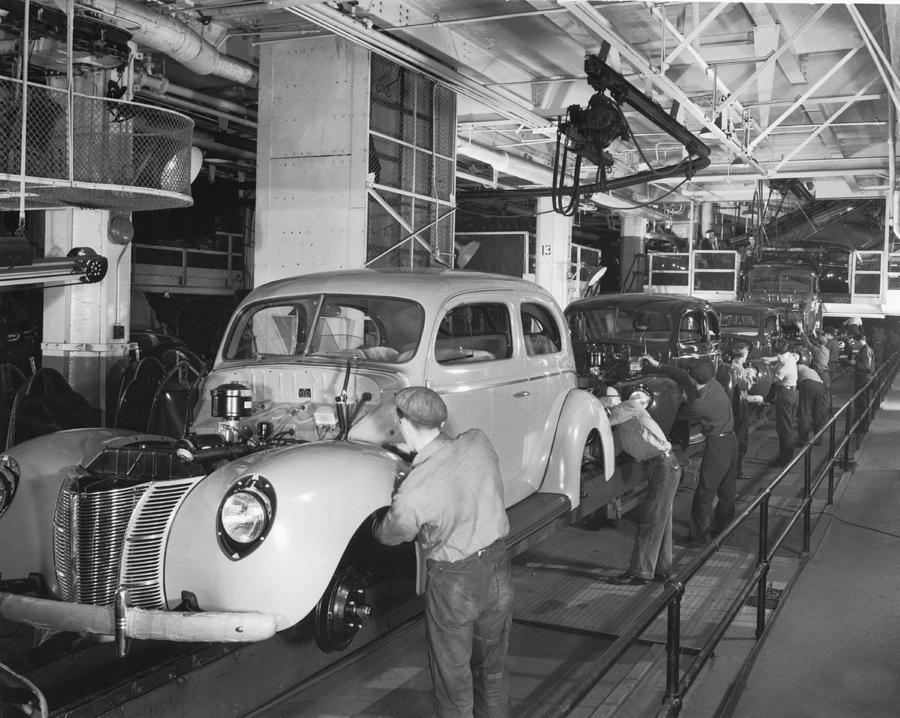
(80,266)
(466,252)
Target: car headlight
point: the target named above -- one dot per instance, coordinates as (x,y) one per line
(9,481)
(246,515)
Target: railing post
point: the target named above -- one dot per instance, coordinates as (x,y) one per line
(673,648)
(832,431)
(807,511)
(763,551)
(847,437)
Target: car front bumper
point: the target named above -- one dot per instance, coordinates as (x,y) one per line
(123,622)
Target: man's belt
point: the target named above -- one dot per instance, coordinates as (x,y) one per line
(721,433)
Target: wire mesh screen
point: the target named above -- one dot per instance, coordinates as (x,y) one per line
(412,127)
(124,155)
(497,252)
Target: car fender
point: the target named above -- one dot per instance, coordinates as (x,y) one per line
(44,463)
(581,413)
(323,492)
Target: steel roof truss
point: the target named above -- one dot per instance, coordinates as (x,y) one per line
(823,126)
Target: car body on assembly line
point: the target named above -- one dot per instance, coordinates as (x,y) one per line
(261,513)
(751,322)
(611,332)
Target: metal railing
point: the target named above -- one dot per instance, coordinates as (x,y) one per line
(678,682)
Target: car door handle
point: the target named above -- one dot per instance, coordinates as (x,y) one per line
(520,394)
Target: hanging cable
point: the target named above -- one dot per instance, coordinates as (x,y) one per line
(560,165)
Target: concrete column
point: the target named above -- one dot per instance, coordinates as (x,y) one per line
(551,262)
(86,325)
(312,157)
(632,244)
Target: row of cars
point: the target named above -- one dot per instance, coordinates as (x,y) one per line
(257,516)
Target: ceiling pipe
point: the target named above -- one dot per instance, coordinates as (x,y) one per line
(185,98)
(165,34)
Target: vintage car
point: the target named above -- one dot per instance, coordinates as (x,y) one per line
(757,324)
(790,285)
(611,332)
(260,514)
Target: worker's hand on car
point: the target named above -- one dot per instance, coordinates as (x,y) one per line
(650,360)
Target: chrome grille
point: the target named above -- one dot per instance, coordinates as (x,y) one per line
(142,556)
(89,528)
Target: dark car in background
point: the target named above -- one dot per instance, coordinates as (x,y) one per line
(610,334)
(755,323)
(789,283)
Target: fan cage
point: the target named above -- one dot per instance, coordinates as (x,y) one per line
(124,155)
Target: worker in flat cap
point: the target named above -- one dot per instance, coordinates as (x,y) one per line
(707,403)
(451,503)
(643,439)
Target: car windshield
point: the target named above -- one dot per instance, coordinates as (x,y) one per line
(365,327)
(736,320)
(771,281)
(616,323)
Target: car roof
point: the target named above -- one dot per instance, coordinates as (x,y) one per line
(637,301)
(425,286)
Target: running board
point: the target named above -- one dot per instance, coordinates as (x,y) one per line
(536,518)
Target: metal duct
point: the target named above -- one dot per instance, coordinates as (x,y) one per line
(175,39)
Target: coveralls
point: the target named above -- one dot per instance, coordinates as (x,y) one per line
(452,504)
(710,406)
(812,412)
(862,372)
(786,399)
(643,439)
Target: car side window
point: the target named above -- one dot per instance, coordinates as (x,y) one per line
(540,330)
(474,332)
(690,329)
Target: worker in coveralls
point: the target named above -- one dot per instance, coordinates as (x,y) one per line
(644,441)
(708,405)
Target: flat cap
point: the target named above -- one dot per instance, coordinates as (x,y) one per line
(422,405)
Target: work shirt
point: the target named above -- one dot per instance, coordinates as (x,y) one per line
(786,370)
(865,360)
(709,405)
(452,500)
(819,357)
(639,433)
(805,373)
(834,352)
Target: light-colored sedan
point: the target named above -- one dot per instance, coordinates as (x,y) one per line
(261,512)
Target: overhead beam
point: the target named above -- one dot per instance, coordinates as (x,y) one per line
(810,91)
(765,42)
(813,19)
(881,62)
(499,99)
(591,18)
(689,41)
(824,126)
